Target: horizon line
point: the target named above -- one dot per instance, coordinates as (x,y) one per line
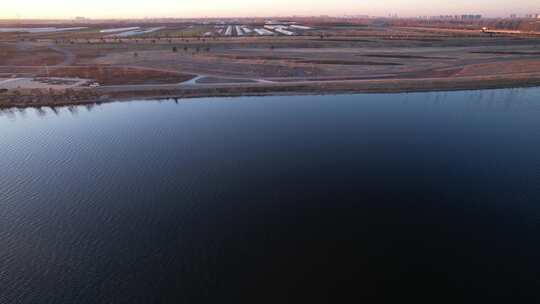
(355,16)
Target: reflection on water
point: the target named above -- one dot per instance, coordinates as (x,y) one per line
(273,199)
(519,99)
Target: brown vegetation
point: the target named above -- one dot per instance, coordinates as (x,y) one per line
(111,75)
(23,55)
(507,67)
(346,62)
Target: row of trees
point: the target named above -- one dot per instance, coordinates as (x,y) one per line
(121,40)
(185,48)
(197,49)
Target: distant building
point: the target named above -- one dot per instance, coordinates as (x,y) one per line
(442,17)
(456,17)
(471,17)
(356,16)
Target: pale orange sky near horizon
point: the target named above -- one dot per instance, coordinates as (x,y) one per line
(51,9)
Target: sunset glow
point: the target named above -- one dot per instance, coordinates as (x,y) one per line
(12,9)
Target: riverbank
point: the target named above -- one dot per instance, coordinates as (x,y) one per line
(42,98)
(50,72)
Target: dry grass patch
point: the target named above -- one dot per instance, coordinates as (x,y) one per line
(111,75)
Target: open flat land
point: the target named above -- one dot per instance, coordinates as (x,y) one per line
(191,60)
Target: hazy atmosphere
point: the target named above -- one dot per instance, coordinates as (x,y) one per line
(12,9)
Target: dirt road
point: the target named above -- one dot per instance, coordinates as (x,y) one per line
(69,56)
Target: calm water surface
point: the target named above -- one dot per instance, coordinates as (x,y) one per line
(430,196)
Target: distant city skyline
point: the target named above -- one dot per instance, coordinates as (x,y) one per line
(67,9)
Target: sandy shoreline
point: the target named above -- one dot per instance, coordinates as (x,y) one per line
(119,93)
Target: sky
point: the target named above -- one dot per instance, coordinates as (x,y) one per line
(53,9)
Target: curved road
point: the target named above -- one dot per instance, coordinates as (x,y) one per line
(69,57)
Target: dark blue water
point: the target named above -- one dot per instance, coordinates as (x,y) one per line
(428,196)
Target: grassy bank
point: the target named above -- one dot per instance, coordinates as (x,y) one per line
(36,97)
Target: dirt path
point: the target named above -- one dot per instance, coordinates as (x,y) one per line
(69,56)
(2,82)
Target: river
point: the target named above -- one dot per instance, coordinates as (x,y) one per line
(288,199)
